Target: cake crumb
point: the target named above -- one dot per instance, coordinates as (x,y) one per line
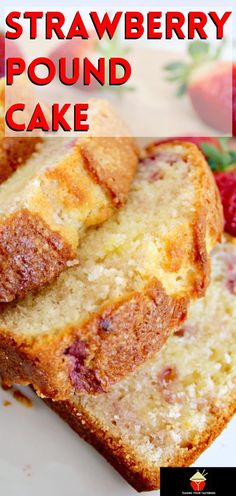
(24,400)
(5,386)
(17,394)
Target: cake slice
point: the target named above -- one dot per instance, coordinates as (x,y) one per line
(65,187)
(13,151)
(137,274)
(173,407)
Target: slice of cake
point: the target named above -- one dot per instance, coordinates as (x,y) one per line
(173,407)
(137,274)
(65,187)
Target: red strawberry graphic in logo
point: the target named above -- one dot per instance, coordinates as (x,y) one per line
(198,486)
(198,481)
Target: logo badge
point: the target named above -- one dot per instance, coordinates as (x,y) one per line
(198,481)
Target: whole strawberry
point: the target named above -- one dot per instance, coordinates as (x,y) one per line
(222,161)
(234,100)
(226,182)
(210,85)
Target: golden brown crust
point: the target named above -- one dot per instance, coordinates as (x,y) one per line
(208,221)
(116,178)
(30,254)
(109,163)
(14,152)
(133,469)
(16,365)
(123,334)
(89,359)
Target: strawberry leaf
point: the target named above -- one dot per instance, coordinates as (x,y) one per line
(224,144)
(213,154)
(197,49)
(181,90)
(174,77)
(213,165)
(199,53)
(232,154)
(174,66)
(219,159)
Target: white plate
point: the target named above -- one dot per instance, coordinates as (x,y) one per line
(41,455)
